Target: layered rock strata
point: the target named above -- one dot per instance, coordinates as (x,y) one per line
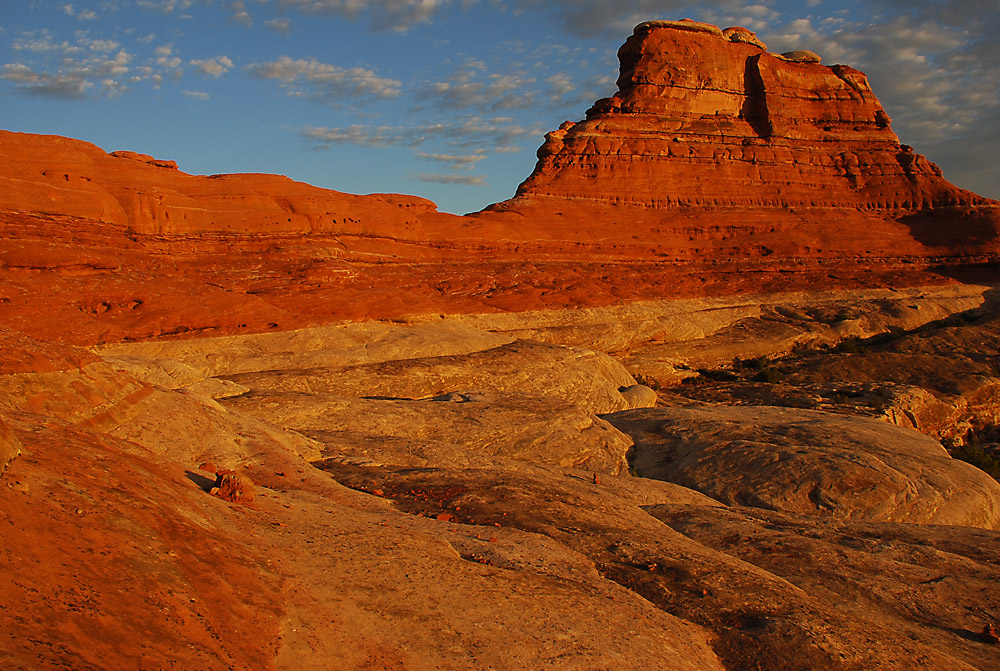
(725,148)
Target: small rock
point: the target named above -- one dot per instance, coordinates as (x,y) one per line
(233,487)
(208,467)
(802,56)
(10,447)
(990,635)
(445,517)
(740,34)
(638,396)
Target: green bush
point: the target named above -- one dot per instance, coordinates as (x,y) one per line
(770,375)
(717,375)
(974,454)
(851,345)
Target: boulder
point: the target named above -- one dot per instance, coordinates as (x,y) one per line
(811,463)
(233,486)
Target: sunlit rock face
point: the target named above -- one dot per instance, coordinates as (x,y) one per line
(730,149)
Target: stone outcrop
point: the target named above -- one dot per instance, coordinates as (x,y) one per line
(725,149)
(810,463)
(148,196)
(718,168)
(444,489)
(461,530)
(10,447)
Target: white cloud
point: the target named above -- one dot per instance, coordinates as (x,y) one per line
(42,41)
(87,67)
(483,134)
(362,136)
(283,26)
(102,46)
(165,6)
(59,85)
(466,180)
(212,67)
(80,15)
(314,79)
(197,95)
(239,13)
(73,79)
(470,86)
(456,161)
(393,15)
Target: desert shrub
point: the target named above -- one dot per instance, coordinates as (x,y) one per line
(851,345)
(650,382)
(974,454)
(717,375)
(756,363)
(770,375)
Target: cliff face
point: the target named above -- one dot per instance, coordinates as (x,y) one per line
(717,169)
(442,490)
(708,119)
(56,175)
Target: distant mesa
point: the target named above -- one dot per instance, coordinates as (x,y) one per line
(705,116)
(707,123)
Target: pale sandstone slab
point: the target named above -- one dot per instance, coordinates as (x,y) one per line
(335,344)
(812,463)
(454,430)
(762,618)
(588,379)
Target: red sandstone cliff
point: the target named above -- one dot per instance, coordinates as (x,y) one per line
(729,149)
(56,175)
(717,168)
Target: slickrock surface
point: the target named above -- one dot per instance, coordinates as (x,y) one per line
(730,276)
(459,428)
(806,461)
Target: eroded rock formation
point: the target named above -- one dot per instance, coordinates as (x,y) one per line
(727,150)
(456,487)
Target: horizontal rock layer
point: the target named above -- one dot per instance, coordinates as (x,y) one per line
(736,151)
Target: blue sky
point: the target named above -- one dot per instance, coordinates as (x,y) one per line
(446,99)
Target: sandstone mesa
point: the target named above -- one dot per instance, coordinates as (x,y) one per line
(435,441)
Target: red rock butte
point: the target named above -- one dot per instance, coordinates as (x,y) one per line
(716,168)
(736,151)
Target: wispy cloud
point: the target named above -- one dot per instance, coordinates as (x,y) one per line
(79,14)
(197,95)
(281,25)
(324,81)
(471,87)
(212,67)
(497,133)
(467,180)
(165,6)
(239,13)
(68,71)
(363,136)
(477,136)
(391,15)
(455,161)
